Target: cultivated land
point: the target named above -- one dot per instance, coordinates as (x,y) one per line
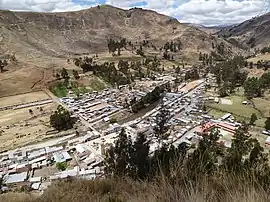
(19,127)
(23,98)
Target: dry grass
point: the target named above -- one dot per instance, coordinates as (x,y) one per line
(223,190)
(23,98)
(263,105)
(17,197)
(260,57)
(19,127)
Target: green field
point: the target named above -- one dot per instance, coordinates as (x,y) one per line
(238,110)
(60,90)
(96,84)
(237,107)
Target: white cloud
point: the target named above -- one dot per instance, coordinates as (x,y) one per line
(41,5)
(207,12)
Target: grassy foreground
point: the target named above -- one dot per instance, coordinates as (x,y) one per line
(225,189)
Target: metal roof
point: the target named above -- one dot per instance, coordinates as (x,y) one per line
(16,178)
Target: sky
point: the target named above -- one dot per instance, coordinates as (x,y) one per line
(204,12)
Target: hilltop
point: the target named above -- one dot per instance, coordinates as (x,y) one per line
(252,33)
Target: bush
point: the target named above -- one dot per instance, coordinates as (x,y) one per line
(61,166)
(113,120)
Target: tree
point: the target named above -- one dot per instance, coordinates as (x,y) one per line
(200,56)
(61,166)
(61,119)
(31,111)
(76,74)
(77,133)
(253,87)
(3,64)
(57,76)
(204,108)
(64,74)
(267,124)
(253,118)
(161,123)
(140,157)
(118,157)
(205,158)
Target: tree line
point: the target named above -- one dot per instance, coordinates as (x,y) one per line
(229,74)
(123,73)
(245,160)
(255,87)
(149,98)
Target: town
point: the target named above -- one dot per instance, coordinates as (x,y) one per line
(82,156)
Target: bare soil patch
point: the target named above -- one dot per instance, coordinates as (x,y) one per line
(23,98)
(19,127)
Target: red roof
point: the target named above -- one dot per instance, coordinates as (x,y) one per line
(207,126)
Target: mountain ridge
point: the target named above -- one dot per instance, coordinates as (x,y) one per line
(77,32)
(252,33)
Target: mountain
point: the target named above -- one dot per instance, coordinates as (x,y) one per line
(253,33)
(42,42)
(31,34)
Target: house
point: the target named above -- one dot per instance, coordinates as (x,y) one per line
(16,178)
(61,157)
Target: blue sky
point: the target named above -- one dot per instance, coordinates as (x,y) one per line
(206,12)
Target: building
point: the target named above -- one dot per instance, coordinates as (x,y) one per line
(18,179)
(205,128)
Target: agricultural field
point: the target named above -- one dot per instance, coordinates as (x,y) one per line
(83,85)
(20,127)
(23,98)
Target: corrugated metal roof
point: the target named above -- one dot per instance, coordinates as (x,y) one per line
(16,178)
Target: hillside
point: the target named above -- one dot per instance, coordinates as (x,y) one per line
(253,33)
(210,30)
(32,34)
(42,42)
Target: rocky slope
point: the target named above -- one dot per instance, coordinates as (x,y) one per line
(253,33)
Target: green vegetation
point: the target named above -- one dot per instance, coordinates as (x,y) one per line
(61,119)
(262,105)
(61,166)
(149,98)
(229,75)
(97,84)
(124,73)
(253,119)
(113,120)
(76,89)
(255,87)
(60,90)
(245,161)
(237,108)
(215,113)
